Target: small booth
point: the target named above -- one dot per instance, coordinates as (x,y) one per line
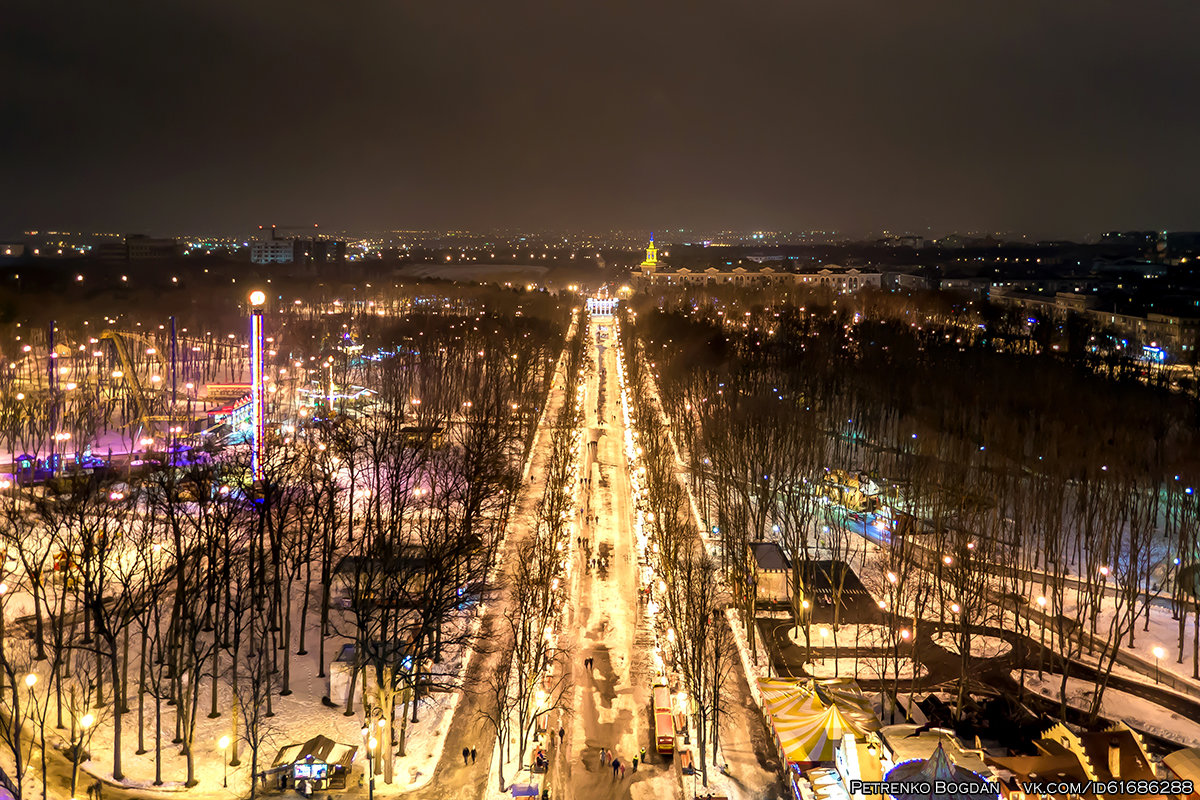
(315,765)
(771,571)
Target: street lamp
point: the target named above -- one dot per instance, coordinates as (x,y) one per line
(223,745)
(77,745)
(1159,652)
(257,298)
(371,744)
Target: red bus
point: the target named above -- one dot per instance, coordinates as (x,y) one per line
(664,729)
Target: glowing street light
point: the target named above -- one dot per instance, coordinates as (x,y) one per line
(223,746)
(1159,652)
(257,298)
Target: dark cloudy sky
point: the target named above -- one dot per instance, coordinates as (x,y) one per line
(1051,116)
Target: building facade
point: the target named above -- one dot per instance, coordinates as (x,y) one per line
(650,273)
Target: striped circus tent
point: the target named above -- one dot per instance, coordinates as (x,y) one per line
(791,697)
(785,697)
(814,736)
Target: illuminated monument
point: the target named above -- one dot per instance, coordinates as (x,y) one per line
(651,262)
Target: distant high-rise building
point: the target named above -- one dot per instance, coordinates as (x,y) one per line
(137,247)
(272,251)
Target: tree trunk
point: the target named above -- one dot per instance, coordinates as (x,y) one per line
(118,773)
(286,643)
(141,748)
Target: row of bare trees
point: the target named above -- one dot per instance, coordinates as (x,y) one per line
(532,678)
(691,595)
(1020,490)
(182,588)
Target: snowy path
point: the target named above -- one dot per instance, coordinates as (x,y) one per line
(604,622)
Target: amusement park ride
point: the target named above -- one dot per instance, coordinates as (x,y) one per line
(123,365)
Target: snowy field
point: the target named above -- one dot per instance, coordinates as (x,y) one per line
(846,636)
(879,668)
(981,646)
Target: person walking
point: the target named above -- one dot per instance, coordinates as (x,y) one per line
(616,765)
(466,755)
(472,755)
(635,759)
(603,756)
(622,772)
(561,734)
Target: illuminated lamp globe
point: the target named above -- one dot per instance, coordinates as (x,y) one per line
(257,298)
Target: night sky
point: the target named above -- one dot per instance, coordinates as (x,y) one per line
(1055,117)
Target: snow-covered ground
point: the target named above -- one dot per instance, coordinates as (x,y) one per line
(867,635)
(1117,705)
(873,668)
(297,718)
(981,646)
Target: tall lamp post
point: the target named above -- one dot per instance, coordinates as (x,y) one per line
(372,743)
(1159,652)
(223,744)
(257,298)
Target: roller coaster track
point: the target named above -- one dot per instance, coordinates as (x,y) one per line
(119,342)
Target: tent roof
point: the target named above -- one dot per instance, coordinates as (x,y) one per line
(321,748)
(1184,763)
(813,736)
(782,697)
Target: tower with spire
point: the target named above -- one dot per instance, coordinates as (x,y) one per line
(651,262)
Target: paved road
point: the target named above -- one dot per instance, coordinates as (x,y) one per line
(604,621)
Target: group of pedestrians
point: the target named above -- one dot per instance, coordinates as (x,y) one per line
(618,766)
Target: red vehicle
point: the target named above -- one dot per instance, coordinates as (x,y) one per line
(664,729)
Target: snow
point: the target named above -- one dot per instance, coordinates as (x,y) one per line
(1118,705)
(298,717)
(981,646)
(875,668)
(850,636)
